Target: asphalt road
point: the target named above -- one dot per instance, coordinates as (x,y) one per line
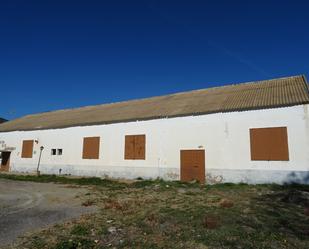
(27,206)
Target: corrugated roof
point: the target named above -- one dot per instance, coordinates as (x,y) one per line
(273,93)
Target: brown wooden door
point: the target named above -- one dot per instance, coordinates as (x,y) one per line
(192,165)
(5,161)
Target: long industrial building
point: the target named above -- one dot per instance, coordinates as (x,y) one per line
(255,132)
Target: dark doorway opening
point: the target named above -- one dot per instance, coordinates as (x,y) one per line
(5,161)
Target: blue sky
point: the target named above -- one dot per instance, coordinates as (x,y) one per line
(64,54)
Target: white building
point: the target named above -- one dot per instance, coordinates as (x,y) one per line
(256,132)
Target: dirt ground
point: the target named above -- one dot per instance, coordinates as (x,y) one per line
(27,207)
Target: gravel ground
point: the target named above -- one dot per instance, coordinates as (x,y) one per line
(27,207)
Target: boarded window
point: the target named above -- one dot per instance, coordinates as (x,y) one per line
(269,144)
(129,147)
(135,147)
(27,149)
(91,147)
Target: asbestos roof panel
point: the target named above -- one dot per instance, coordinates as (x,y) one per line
(272,93)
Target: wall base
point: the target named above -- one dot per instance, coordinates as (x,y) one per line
(213,176)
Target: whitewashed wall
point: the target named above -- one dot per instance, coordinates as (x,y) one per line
(224,136)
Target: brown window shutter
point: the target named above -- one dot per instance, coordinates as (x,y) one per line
(27,149)
(278,143)
(91,147)
(129,147)
(259,144)
(140,141)
(269,144)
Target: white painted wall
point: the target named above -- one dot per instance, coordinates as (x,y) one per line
(224,136)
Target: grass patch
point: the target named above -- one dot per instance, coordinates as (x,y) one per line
(160,214)
(66,180)
(80,229)
(75,244)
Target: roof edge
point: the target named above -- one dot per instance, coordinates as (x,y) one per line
(157,117)
(306,83)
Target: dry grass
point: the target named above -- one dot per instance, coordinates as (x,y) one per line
(158,214)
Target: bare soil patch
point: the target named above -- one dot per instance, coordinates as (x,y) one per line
(26,207)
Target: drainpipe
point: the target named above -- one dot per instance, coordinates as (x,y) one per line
(37,169)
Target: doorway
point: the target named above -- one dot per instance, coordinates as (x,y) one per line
(192,165)
(5,161)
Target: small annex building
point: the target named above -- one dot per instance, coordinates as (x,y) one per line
(2,120)
(256,132)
